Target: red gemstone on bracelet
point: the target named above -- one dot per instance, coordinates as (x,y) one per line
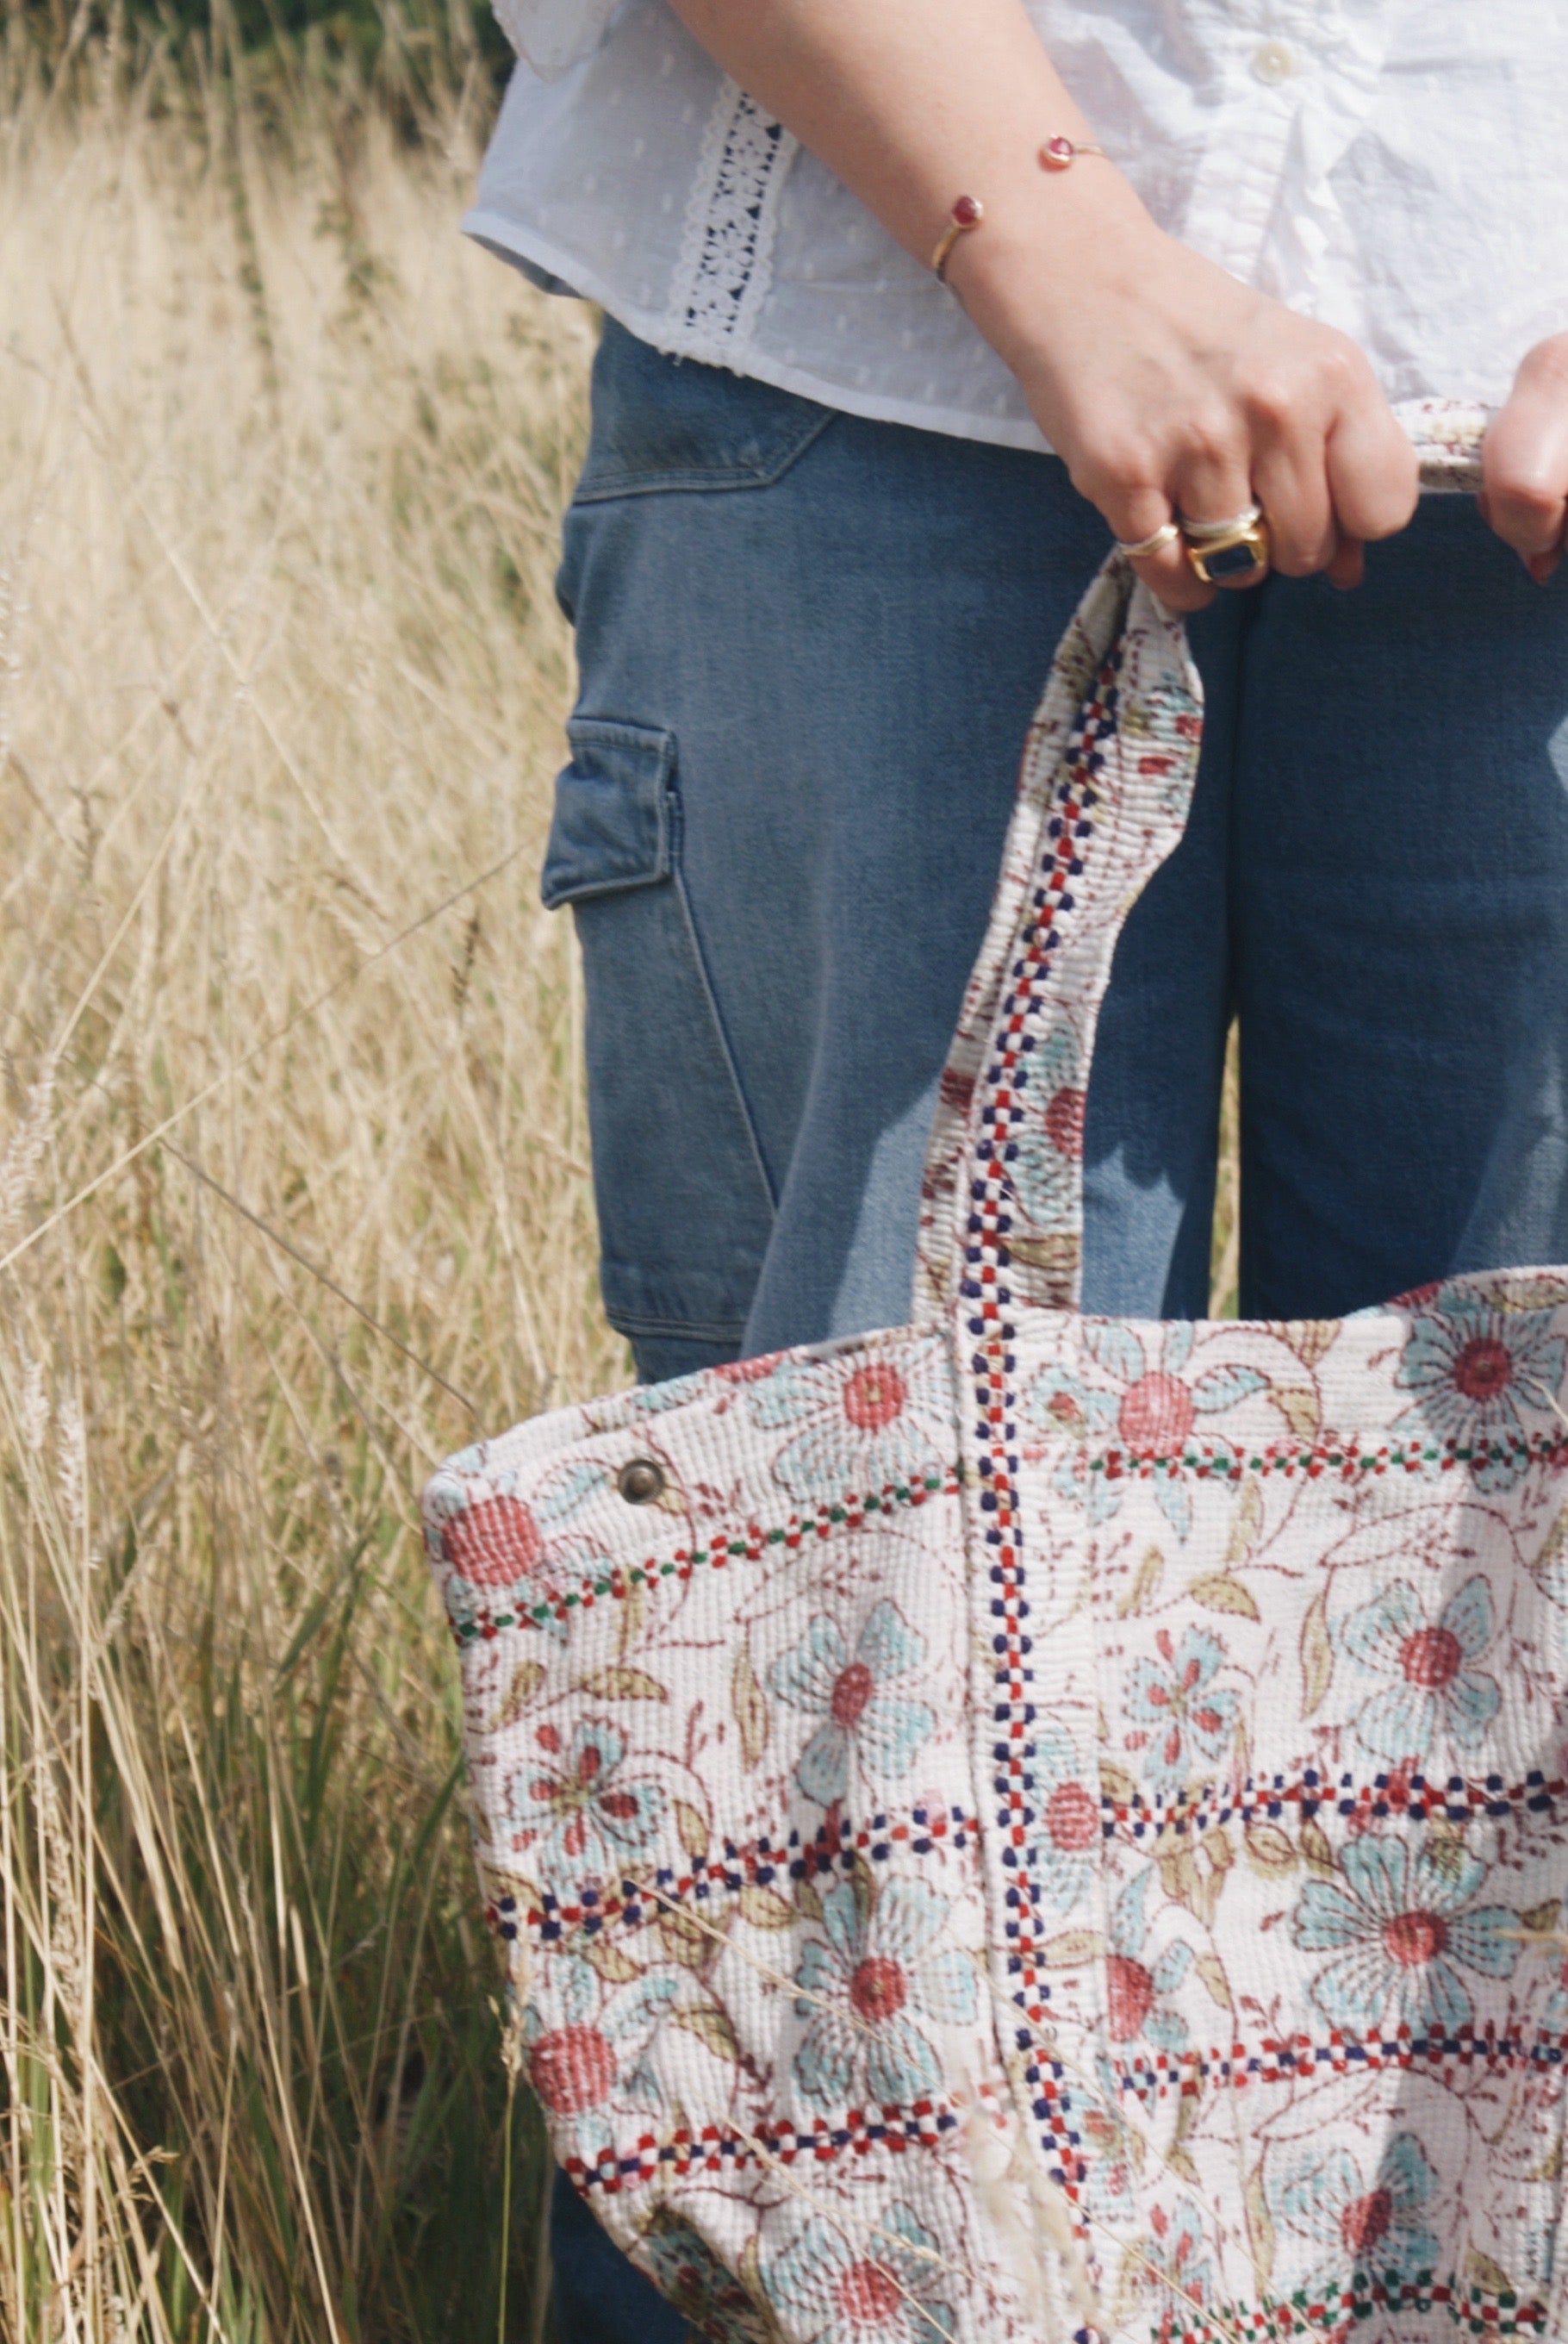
(1057,154)
(968,210)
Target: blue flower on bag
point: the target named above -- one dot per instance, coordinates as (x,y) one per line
(1435,1689)
(1134,1987)
(1352,2230)
(1188,1718)
(1479,1376)
(862,1422)
(586,1809)
(1147,1406)
(1050,1149)
(1402,1927)
(704,2291)
(884,2286)
(1065,1835)
(861,1984)
(881,1730)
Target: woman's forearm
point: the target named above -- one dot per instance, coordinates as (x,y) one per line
(912,102)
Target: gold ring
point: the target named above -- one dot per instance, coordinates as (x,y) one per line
(1238,558)
(1155,542)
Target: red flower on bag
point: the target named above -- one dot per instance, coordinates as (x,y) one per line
(1157,1412)
(493,1543)
(572,2069)
(1129,1995)
(1064,1121)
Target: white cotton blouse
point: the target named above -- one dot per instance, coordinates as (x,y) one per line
(1398,168)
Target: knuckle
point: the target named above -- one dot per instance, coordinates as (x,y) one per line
(1113,470)
(1547,363)
(1377,500)
(1526,490)
(1342,369)
(1377,517)
(1210,438)
(1274,394)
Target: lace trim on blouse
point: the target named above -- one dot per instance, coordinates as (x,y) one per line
(722,276)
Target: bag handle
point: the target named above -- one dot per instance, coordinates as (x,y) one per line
(1104,788)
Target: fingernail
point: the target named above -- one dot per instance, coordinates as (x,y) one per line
(1543,566)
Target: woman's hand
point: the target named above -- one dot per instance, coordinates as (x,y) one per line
(1525,464)
(1165,383)
(1171,387)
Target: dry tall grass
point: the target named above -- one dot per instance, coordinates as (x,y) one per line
(293,1196)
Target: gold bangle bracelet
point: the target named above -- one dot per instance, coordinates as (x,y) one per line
(967,212)
(1061,154)
(1058,154)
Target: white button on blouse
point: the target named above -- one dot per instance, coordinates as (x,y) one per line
(1274,61)
(1398,168)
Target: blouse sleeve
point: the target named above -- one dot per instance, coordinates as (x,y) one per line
(551,34)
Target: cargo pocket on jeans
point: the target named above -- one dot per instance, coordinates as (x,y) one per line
(684,1207)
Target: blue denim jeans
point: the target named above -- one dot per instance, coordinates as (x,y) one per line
(809,648)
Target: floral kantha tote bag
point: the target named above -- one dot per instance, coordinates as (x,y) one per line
(1032,1826)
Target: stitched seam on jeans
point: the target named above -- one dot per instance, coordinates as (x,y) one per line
(693,1330)
(676,845)
(735,480)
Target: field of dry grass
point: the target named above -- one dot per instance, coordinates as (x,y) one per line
(293,1196)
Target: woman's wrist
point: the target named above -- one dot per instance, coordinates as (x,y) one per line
(1023,275)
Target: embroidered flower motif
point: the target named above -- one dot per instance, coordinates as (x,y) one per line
(592,2058)
(704,2291)
(1554,2011)
(588,1810)
(863,1984)
(1402,1927)
(1549,1564)
(1147,1406)
(1135,1987)
(1065,1834)
(1480,1376)
(498,1551)
(882,2287)
(494,1542)
(881,1730)
(1357,2231)
(862,1422)
(1048,1154)
(1187,1717)
(1106,2174)
(1434,1690)
(1178,2251)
